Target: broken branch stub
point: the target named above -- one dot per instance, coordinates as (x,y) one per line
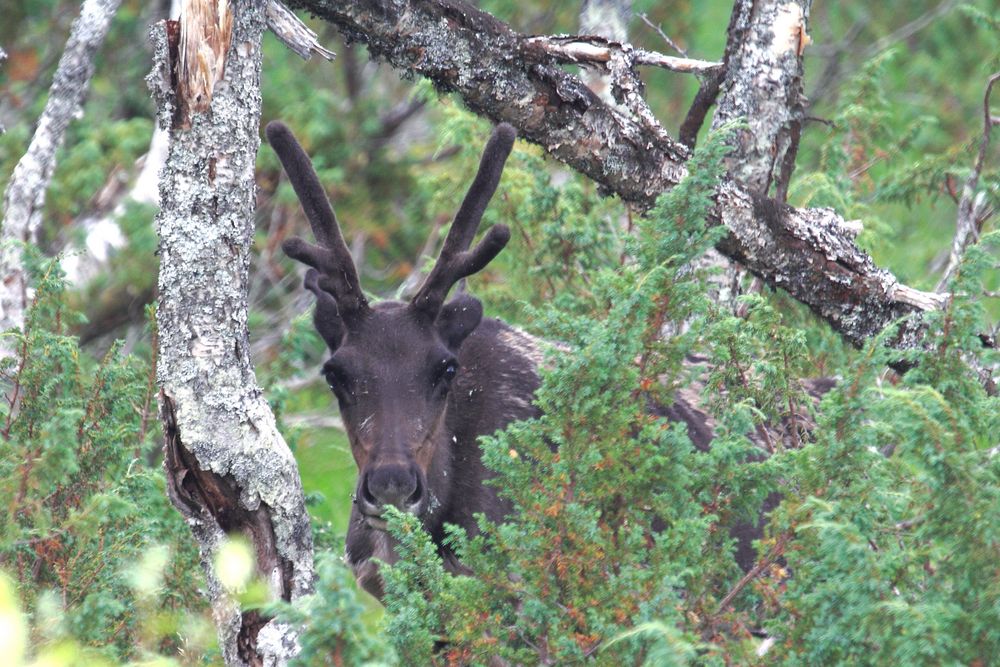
(228,468)
(555,109)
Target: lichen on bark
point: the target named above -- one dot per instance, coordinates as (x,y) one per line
(510,80)
(228,468)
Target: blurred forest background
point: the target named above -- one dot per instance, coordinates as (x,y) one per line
(106,569)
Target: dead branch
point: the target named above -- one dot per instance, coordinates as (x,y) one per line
(499,74)
(773,555)
(972,206)
(664,36)
(293,33)
(594,51)
(24,199)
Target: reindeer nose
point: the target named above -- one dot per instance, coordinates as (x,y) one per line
(393,485)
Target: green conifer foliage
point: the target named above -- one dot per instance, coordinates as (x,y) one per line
(610,539)
(896,513)
(81,504)
(881,551)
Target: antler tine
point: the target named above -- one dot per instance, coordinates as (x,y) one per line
(331,257)
(456,261)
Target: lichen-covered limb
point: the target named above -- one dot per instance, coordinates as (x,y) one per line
(762,89)
(228,468)
(24,199)
(808,252)
(500,75)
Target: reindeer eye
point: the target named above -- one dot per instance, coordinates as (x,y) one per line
(339,383)
(448,371)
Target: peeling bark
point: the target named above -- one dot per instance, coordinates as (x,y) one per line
(607,19)
(228,468)
(293,33)
(497,73)
(24,199)
(763,88)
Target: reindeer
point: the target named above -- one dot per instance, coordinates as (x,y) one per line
(419,382)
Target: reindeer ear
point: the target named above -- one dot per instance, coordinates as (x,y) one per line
(326,317)
(458,318)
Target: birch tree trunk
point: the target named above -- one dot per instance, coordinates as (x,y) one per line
(228,469)
(24,199)
(763,88)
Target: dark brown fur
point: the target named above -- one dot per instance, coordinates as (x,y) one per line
(418,383)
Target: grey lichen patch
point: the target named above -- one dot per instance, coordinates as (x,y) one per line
(159,79)
(763,88)
(220,415)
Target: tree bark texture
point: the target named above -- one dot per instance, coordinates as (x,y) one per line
(228,469)
(3,57)
(497,72)
(763,88)
(24,199)
(608,19)
(760,89)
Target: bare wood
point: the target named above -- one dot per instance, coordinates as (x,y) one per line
(596,51)
(206,28)
(469,52)
(228,468)
(293,33)
(675,64)
(24,199)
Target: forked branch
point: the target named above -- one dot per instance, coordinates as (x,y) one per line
(802,250)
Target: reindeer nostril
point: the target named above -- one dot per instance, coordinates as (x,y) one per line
(392,485)
(366,493)
(417,494)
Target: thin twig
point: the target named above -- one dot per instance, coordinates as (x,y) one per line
(776,552)
(596,51)
(910,29)
(663,35)
(973,209)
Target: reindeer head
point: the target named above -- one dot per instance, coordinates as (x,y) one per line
(393,363)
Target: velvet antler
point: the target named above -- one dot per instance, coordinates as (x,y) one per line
(337,274)
(456,261)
